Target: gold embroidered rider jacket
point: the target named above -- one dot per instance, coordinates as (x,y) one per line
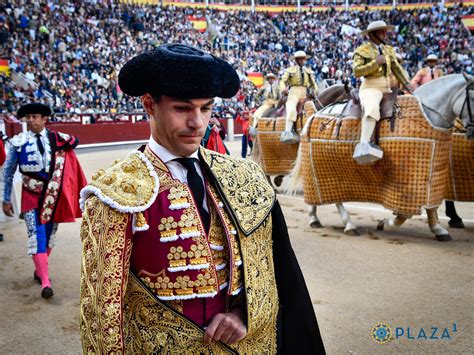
(298,76)
(365,63)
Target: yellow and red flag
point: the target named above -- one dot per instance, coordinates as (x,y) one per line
(4,68)
(468,22)
(256,78)
(199,23)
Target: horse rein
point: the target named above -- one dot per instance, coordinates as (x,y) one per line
(318,101)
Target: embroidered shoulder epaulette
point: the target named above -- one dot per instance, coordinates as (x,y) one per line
(130,186)
(364,50)
(243,186)
(308,70)
(19,139)
(291,70)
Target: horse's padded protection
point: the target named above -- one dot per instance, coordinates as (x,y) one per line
(412,174)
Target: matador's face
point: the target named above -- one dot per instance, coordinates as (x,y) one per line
(35,122)
(178,124)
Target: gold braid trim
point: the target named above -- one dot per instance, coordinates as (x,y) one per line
(243,186)
(260,291)
(129,185)
(104,271)
(153,327)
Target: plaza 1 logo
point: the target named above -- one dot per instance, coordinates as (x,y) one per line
(382,333)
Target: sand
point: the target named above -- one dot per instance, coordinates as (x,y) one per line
(405,279)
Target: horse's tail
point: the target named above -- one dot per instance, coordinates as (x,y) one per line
(293,185)
(256,157)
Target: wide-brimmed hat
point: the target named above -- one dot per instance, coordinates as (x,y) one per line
(375,26)
(34,108)
(300,54)
(432,57)
(180,71)
(270,75)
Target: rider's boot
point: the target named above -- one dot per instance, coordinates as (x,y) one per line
(289,136)
(367,152)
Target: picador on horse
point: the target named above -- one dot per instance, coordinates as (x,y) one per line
(342,146)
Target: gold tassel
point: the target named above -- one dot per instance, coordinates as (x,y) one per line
(140,220)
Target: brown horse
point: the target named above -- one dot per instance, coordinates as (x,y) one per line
(333,94)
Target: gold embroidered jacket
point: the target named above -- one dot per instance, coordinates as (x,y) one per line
(270,92)
(365,63)
(299,76)
(121,312)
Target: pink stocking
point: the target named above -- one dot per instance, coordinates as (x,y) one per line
(41,264)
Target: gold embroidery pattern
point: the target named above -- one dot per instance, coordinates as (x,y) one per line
(261,292)
(166,180)
(127,182)
(244,187)
(151,330)
(152,327)
(105,266)
(230,231)
(164,287)
(197,257)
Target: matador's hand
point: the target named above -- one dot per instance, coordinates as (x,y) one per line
(226,327)
(8,209)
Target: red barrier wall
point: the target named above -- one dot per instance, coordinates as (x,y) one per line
(103,132)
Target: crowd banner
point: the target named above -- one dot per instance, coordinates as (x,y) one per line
(468,22)
(256,79)
(4,67)
(199,23)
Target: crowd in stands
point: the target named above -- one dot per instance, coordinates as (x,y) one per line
(68,53)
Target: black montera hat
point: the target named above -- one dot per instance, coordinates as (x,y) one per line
(178,70)
(34,108)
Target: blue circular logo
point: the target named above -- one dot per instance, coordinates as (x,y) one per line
(381,333)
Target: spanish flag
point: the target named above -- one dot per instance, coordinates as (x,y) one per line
(4,68)
(468,22)
(199,23)
(256,79)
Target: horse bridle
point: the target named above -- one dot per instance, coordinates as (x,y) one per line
(467,104)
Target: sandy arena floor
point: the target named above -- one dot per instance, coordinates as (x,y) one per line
(405,279)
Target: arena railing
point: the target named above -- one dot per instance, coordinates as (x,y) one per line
(98,118)
(303,5)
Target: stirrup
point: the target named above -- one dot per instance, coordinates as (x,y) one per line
(289,137)
(366,153)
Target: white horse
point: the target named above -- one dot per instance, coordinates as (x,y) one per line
(443,100)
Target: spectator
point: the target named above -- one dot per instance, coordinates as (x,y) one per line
(67,46)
